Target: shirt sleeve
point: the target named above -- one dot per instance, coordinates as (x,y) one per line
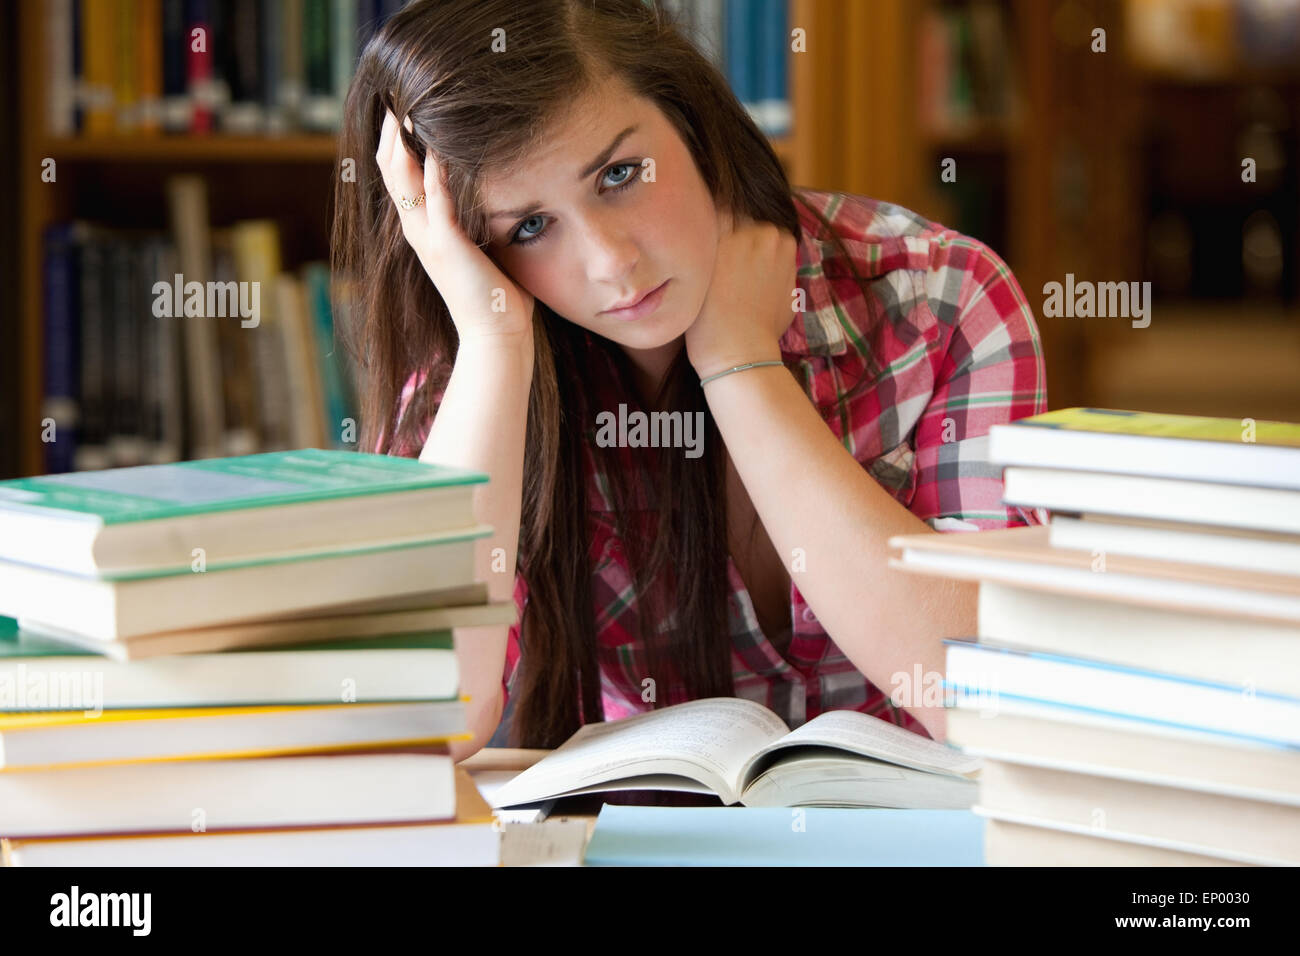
(512,640)
(409,449)
(991,372)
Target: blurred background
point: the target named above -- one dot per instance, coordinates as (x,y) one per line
(1117,141)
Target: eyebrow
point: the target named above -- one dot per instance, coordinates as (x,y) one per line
(587,170)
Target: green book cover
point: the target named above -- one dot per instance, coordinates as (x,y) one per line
(16,644)
(150,492)
(1116,421)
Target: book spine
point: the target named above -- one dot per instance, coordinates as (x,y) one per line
(97,31)
(92,451)
(148,46)
(237,381)
(125,81)
(293,78)
(78,69)
(303,372)
(317,42)
(316,280)
(124,446)
(244,59)
(176,106)
(256,246)
(773,49)
(187,199)
(61,92)
(344,55)
(740,53)
(271,17)
(166,423)
(959,107)
(61,402)
(200,81)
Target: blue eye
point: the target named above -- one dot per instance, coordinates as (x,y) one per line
(626,183)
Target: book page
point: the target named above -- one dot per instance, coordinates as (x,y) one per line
(707,740)
(870,736)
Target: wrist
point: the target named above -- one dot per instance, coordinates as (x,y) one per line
(748,356)
(515,345)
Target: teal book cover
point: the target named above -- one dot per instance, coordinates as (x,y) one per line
(784,836)
(149,492)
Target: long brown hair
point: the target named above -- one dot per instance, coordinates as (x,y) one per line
(481,110)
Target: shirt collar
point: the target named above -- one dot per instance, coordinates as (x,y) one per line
(817,329)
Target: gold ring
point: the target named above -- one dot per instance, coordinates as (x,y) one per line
(411,203)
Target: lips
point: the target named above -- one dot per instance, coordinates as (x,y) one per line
(636,301)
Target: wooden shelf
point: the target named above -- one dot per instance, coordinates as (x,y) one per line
(217,147)
(977,137)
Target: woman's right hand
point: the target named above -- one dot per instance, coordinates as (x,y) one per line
(468,280)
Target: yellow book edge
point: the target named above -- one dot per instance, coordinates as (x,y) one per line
(27,720)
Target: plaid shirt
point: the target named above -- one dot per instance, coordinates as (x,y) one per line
(950,326)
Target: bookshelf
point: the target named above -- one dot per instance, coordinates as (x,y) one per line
(118,180)
(1069,187)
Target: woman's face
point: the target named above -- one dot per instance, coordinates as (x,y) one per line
(595,245)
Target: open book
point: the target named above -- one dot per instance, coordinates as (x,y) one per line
(743,753)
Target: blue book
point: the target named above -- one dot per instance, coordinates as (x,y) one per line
(784,836)
(773,49)
(62,347)
(992,677)
(739,50)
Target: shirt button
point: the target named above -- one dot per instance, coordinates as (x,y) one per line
(808,615)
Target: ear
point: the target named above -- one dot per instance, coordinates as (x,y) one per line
(726,221)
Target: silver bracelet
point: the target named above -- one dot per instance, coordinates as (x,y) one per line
(738,368)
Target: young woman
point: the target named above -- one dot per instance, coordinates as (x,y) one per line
(526,173)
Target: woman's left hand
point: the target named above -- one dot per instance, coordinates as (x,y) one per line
(748,306)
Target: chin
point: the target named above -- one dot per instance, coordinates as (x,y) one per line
(650,335)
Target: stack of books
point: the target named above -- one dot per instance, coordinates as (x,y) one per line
(1135,686)
(239,661)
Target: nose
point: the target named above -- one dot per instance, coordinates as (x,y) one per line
(611,255)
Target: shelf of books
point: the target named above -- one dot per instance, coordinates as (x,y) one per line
(197,139)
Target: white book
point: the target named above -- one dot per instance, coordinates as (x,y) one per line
(1043,736)
(1019,844)
(984,675)
(1023,558)
(67,739)
(1230,650)
(116,609)
(82,544)
(37,673)
(1164,499)
(1165,451)
(1187,821)
(440,844)
(742,752)
(178,796)
(1169,541)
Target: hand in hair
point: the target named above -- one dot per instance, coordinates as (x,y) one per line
(483,302)
(748,306)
